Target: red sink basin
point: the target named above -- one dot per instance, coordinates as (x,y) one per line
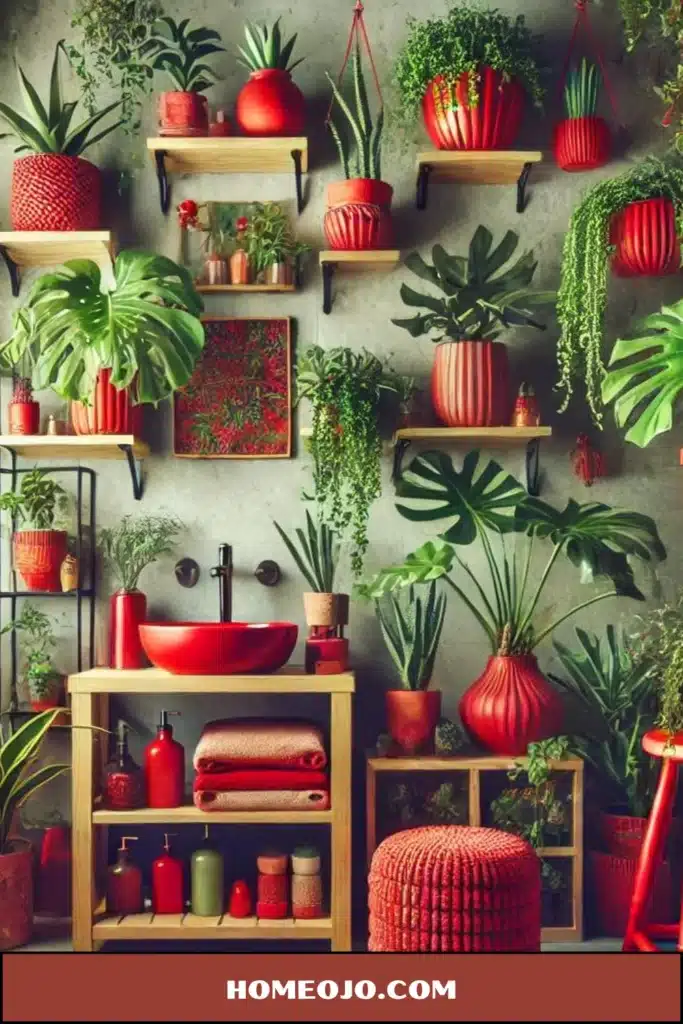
(218,648)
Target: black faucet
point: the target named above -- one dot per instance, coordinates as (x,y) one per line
(223,572)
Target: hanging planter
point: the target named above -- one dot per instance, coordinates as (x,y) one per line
(478,111)
(645,239)
(270,104)
(181,51)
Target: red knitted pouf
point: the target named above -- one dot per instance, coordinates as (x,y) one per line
(452,889)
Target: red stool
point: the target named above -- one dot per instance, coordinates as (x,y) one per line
(639,934)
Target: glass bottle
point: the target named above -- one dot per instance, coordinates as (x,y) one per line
(124,883)
(124,784)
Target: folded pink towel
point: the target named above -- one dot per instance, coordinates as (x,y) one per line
(266,800)
(259,743)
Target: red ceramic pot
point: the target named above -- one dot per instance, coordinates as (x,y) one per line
(622,834)
(359,215)
(127,611)
(218,648)
(38,556)
(16,898)
(110,412)
(54,873)
(493,123)
(470,384)
(645,238)
(511,705)
(412,716)
(23,417)
(53,697)
(53,192)
(184,114)
(271,104)
(582,143)
(612,879)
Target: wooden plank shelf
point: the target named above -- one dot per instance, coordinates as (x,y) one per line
(343,260)
(189,927)
(157,681)
(22,249)
(209,289)
(475,167)
(191,815)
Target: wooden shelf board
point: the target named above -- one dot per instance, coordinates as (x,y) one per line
(190,926)
(230,155)
(190,815)
(445,764)
(490,435)
(477,167)
(49,248)
(361,260)
(290,679)
(208,289)
(64,446)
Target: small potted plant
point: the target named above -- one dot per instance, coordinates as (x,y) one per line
(45,682)
(470,378)
(582,141)
(181,51)
(39,549)
(470,72)
(411,627)
(53,188)
(23,412)
(127,550)
(270,104)
(271,248)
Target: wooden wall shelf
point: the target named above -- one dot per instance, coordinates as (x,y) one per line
(191,815)
(349,261)
(21,249)
(475,167)
(209,289)
(187,927)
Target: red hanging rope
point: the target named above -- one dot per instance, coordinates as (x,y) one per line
(582,22)
(358,30)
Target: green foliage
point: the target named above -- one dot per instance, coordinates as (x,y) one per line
(659,644)
(180,51)
(135,543)
(460,42)
(477,303)
(35,502)
(265,48)
(317,554)
(581,90)
(269,239)
(582,297)
(47,128)
(38,642)
(412,630)
(448,738)
(359,144)
(145,329)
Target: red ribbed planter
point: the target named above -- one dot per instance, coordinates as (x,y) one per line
(23,417)
(613,879)
(183,114)
(359,214)
(38,557)
(470,384)
(127,611)
(511,705)
(53,192)
(16,898)
(582,143)
(412,716)
(493,123)
(646,240)
(271,104)
(110,412)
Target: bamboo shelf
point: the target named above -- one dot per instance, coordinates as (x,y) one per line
(23,249)
(190,926)
(475,167)
(350,261)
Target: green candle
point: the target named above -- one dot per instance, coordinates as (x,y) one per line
(207,880)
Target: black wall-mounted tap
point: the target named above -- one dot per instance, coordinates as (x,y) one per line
(223,573)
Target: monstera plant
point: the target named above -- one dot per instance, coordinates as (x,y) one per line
(482,503)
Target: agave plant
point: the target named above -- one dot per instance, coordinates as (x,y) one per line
(581,90)
(360,143)
(145,328)
(47,128)
(265,48)
(317,554)
(412,630)
(180,52)
(477,301)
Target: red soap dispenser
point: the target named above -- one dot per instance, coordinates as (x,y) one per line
(167,882)
(165,767)
(124,883)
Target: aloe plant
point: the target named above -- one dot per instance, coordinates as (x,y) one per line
(180,52)
(265,48)
(412,628)
(477,302)
(581,90)
(46,128)
(316,555)
(360,143)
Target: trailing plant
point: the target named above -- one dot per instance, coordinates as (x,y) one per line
(135,543)
(317,554)
(582,297)
(36,501)
(659,643)
(412,630)
(144,327)
(359,142)
(476,303)
(460,43)
(180,51)
(269,239)
(38,643)
(47,128)
(265,48)
(483,503)
(581,90)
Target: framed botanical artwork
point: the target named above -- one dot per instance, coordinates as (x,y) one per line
(238,402)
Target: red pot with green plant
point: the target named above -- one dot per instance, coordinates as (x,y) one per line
(109,411)
(37,643)
(582,141)
(23,412)
(180,50)
(270,104)
(38,548)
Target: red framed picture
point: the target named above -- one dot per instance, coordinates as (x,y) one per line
(238,403)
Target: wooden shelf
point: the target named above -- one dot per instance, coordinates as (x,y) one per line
(191,815)
(246,288)
(189,927)
(475,167)
(156,681)
(333,260)
(482,762)
(21,249)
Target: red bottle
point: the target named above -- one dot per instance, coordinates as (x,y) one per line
(124,883)
(165,767)
(167,882)
(240,900)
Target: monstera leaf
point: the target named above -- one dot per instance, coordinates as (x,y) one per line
(482,496)
(428,563)
(646,389)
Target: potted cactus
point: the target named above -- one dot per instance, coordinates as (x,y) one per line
(23,412)
(53,188)
(39,549)
(270,103)
(582,140)
(180,51)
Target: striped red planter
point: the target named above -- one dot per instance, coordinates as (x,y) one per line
(582,143)
(645,238)
(38,557)
(111,410)
(492,123)
(470,384)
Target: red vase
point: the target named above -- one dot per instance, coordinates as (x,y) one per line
(53,192)
(470,384)
(23,417)
(271,104)
(646,240)
(412,716)
(493,123)
(111,410)
(511,705)
(582,143)
(54,873)
(38,557)
(184,114)
(127,610)
(16,898)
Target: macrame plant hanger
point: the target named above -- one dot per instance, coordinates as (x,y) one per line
(358,34)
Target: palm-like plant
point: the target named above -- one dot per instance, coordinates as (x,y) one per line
(478,302)
(360,143)
(316,555)
(180,51)
(265,48)
(412,628)
(145,328)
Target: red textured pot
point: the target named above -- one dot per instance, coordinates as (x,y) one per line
(582,143)
(412,716)
(646,240)
(23,417)
(184,114)
(612,880)
(359,215)
(110,412)
(493,123)
(54,873)
(127,611)
(470,384)
(271,104)
(38,557)
(511,705)
(52,192)
(622,834)
(16,898)
(360,190)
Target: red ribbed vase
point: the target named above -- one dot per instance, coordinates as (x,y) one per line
(111,410)
(493,123)
(511,705)
(470,384)
(582,143)
(646,240)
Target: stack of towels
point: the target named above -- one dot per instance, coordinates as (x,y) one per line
(254,764)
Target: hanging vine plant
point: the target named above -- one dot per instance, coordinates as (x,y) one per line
(650,22)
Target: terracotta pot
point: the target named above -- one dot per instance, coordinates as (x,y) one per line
(412,716)
(645,238)
(38,557)
(360,190)
(239,267)
(511,705)
(111,410)
(611,880)
(582,143)
(359,215)
(183,114)
(127,611)
(23,417)
(470,384)
(492,124)
(326,609)
(53,192)
(54,873)
(271,104)
(16,898)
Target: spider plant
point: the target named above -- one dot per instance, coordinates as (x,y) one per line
(412,628)
(317,554)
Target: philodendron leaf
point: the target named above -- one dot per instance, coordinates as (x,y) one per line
(430,562)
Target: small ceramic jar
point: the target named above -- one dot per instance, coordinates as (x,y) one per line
(307,889)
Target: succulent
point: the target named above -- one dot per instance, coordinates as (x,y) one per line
(448,738)
(22,391)
(360,145)
(48,129)
(317,555)
(412,629)
(265,48)
(180,52)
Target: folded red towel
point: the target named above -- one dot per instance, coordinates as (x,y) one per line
(256,779)
(268,800)
(259,743)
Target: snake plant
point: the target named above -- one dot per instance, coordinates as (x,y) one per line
(180,51)
(266,49)
(359,143)
(581,90)
(412,628)
(316,555)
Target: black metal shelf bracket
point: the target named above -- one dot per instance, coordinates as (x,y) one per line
(162,177)
(298,180)
(422,187)
(135,467)
(400,448)
(533,467)
(13,270)
(522,198)
(328,276)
